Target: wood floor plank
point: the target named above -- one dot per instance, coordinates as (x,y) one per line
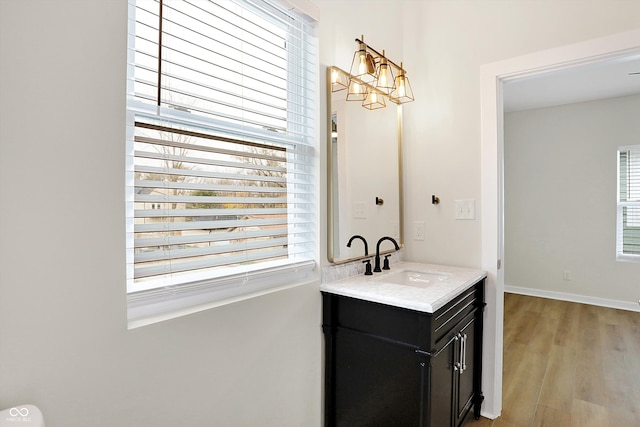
(568,364)
(587,414)
(623,418)
(482,422)
(522,396)
(500,422)
(611,337)
(554,309)
(542,337)
(568,332)
(589,378)
(559,378)
(512,357)
(624,394)
(550,417)
(524,326)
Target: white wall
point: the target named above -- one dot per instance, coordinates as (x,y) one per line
(446,42)
(64,343)
(63,339)
(443,45)
(560,193)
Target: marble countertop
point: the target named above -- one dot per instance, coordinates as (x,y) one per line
(416,286)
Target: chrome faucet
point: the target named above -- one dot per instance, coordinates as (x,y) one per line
(366,246)
(376,268)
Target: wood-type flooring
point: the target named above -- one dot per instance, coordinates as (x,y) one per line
(568,365)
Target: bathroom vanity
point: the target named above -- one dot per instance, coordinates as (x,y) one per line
(404,347)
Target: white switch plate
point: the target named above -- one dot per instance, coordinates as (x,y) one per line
(359,210)
(418,230)
(465,209)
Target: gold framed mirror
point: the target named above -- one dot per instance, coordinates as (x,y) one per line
(364,161)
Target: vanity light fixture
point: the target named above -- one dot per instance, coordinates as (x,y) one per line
(357,89)
(374,100)
(339,80)
(402,92)
(373,79)
(363,65)
(385,82)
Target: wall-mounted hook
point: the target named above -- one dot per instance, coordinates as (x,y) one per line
(379,201)
(435,199)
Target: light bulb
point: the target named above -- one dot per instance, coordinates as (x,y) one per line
(402,91)
(362,63)
(334,76)
(382,80)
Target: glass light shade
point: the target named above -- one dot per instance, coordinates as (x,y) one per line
(374,100)
(357,90)
(402,92)
(386,81)
(363,65)
(339,80)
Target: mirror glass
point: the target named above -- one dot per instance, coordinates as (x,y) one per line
(365,184)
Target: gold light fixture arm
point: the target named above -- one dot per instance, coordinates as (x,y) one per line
(378,54)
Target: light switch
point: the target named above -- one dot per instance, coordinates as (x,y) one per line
(465,209)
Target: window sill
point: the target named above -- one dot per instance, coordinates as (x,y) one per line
(147,308)
(628,258)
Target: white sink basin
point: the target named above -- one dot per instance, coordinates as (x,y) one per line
(415,278)
(412,285)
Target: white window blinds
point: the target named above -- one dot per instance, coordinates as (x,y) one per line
(221,144)
(628,222)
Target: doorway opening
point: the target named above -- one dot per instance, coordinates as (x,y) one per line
(493,78)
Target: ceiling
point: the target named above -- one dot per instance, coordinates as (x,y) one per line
(588,82)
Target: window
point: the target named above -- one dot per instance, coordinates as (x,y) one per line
(221,151)
(628,233)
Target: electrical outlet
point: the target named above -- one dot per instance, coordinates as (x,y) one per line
(567,275)
(360,210)
(418,230)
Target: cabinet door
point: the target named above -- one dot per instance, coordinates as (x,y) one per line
(377,382)
(465,376)
(442,384)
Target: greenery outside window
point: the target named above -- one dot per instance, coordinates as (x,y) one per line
(221,152)
(628,221)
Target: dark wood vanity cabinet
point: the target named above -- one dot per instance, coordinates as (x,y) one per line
(391,366)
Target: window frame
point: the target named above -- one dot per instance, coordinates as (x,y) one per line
(163,302)
(632,150)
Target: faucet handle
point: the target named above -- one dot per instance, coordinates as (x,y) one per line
(386,262)
(367,268)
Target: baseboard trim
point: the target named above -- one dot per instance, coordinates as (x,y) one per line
(582,299)
(489,415)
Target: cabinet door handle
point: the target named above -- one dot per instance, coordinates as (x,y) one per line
(460,354)
(464,353)
(456,365)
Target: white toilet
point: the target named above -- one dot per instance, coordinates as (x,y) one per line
(22,416)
